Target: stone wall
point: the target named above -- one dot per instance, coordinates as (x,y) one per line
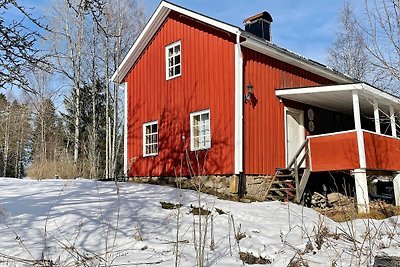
(222,186)
(256,187)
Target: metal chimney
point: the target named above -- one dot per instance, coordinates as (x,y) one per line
(259,25)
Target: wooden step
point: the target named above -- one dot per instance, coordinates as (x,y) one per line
(280,198)
(284,175)
(282,182)
(282,189)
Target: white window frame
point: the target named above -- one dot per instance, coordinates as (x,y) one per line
(145,125)
(192,137)
(167,57)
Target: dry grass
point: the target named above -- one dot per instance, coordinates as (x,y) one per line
(378,211)
(63,169)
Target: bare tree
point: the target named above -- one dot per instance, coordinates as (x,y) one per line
(123,21)
(18,51)
(90,39)
(14,136)
(68,26)
(382,30)
(349,53)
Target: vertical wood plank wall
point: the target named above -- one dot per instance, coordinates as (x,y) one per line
(264,120)
(207,82)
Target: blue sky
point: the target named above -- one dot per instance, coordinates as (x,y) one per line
(306,27)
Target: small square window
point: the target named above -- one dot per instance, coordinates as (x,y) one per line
(150,138)
(200,131)
(173,60)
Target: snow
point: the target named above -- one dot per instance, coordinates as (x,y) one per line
(68,220)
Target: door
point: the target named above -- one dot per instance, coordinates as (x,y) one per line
(295,135)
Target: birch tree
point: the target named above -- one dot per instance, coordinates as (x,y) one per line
(349,53)
(123,21)
(382,30)
(68,25)
(14,136)
(90,39)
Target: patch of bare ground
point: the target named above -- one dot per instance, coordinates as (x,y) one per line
(342,208)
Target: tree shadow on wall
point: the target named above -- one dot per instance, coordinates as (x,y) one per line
(175,157)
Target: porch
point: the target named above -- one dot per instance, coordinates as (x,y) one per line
(339,151)
(359,150)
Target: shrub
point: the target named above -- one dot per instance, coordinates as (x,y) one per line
(63,169)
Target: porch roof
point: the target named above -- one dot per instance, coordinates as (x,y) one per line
(339,97)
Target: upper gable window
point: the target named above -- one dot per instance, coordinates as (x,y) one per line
(173,60)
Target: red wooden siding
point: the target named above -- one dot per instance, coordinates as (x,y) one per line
(334,152)
(264,131)
(381,152)
(207,82)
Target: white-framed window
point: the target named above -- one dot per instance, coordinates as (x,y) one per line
(173,60)
(200,130)
(150,138)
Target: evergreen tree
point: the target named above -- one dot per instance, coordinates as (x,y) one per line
(91,149)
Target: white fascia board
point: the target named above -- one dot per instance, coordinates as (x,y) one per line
(151,28)
(261,47)
(390,99)
(364,90)
(202,18)
(319,89)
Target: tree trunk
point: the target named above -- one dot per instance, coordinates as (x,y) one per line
(6,144)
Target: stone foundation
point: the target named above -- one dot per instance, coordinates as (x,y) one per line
(256,187)
(222,186)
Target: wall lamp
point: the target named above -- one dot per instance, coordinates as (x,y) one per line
(250,92)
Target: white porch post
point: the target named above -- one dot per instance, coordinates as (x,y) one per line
(392,121)
(357,124)
(360,179)
(360,174)
(396,189)
(376,117)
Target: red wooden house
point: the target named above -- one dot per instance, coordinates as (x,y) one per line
(199,87)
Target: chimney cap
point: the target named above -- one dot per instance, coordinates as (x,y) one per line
(263,15)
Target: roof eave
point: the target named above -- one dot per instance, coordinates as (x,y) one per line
(292,58)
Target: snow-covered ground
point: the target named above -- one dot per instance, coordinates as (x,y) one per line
(69,221)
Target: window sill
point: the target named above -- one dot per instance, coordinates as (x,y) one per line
(173,77)
(150,155)
(200,148)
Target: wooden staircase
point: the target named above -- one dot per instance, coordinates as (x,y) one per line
(288,184)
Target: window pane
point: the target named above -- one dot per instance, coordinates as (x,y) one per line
(177,49)
(170,52)
(170,62)
(177,59)
(177,69)
(147,139)
(151,139)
